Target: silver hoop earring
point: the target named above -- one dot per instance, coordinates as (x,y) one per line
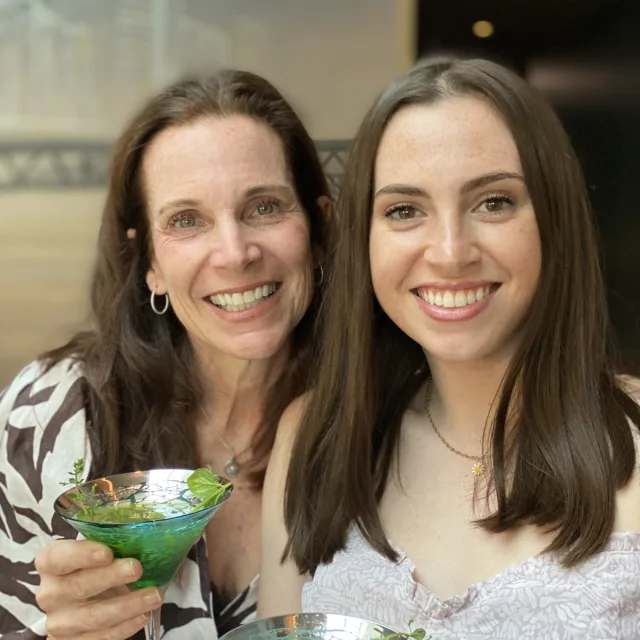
(153,304)
(321,275)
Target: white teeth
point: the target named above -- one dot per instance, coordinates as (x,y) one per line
(249,296)
(449,299)
(242,301)
(460,299)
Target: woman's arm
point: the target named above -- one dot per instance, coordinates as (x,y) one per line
(42,432)
(280,583)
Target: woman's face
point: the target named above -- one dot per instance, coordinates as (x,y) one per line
(231,243)
(454,245)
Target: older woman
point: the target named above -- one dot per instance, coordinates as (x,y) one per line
(204,298)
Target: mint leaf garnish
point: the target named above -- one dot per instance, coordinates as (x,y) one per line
(206,486)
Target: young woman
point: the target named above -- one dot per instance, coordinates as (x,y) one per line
(204,296)
(467,457)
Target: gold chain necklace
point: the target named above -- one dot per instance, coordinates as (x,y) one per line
(478,461)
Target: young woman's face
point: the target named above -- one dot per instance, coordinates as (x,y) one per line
(454,245)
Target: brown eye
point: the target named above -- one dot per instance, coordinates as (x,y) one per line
(496,205)
(402,212)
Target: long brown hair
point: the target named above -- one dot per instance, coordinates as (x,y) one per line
(141,383)
(572,446)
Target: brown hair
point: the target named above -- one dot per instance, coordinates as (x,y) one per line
(142,389)
(572,446)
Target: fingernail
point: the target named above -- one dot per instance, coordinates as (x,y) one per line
(142,620)
(153,597)
(100,556)
(128,569)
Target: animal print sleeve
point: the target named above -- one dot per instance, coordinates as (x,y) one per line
(42,433)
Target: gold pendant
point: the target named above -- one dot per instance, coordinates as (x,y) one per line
(478,468)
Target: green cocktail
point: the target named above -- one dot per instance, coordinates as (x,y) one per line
(152,516)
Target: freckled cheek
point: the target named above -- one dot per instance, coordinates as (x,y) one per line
(390,265)
(520,253)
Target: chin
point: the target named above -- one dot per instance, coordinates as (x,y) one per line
(469,350)
(255,347)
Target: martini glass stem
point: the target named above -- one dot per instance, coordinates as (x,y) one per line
(152,630)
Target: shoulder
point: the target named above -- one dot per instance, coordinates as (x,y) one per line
(628,499)
(291,419)
(631,386)
(285,438)
(42,430)
(41,395)
(39,384)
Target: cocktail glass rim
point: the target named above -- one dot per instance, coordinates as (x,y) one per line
(63,512)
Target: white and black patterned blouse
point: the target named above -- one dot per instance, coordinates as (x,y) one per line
(42,433)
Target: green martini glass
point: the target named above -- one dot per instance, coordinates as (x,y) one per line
(151,516)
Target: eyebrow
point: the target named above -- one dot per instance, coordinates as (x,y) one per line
(267,188)
(175,204)
(470,185)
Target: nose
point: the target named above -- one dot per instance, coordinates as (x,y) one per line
(234,247)
(452,245)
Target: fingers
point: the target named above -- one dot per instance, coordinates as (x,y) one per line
(56,591)
(115,618)
(121,631)
(66,556)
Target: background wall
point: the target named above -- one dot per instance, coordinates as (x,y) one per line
(77,69)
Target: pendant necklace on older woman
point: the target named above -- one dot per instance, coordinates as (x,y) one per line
(477,468)
(231,466)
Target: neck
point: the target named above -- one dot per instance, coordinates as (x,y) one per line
(463,400)
(235,392)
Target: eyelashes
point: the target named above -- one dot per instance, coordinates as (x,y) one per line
(401,211)
(493,204)
(497,203)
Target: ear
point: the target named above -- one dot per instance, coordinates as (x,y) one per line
(155,280)
(326,208)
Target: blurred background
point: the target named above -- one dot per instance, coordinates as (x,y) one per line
(73,71)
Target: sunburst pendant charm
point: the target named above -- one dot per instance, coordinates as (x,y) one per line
(231,468)
(478,468)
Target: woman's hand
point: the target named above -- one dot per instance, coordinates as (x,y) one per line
(82,591)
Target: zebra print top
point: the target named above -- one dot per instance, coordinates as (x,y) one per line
(42,433)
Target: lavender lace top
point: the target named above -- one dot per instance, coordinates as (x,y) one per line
(536,599)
